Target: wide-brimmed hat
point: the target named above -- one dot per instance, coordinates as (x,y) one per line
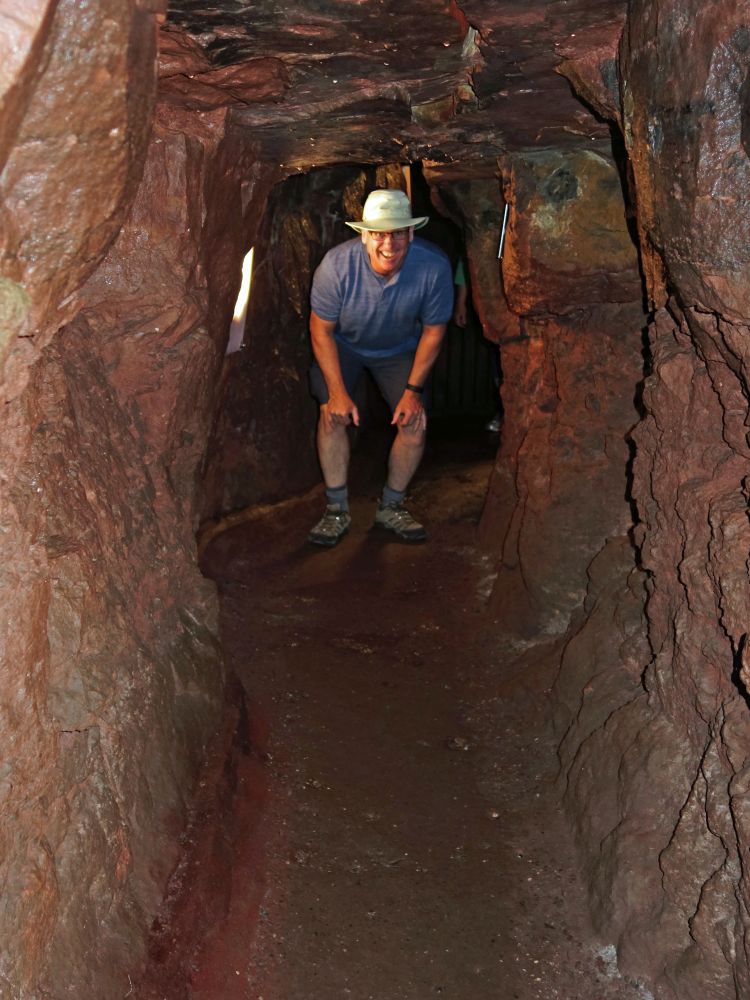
(385,211)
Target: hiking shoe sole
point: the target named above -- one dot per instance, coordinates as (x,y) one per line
(326,541)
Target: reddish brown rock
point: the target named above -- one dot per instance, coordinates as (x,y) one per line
(108,643)
(111,340)
(188,79)
(71,165)
(438,80)
(115,652)
(590,64)
(568,243)
(664,843)
(477,205)
(559,486)
(684,920)
(686,137)
(567,248)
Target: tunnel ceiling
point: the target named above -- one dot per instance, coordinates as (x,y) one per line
(323,81)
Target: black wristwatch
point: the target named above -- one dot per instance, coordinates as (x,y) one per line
(419,389)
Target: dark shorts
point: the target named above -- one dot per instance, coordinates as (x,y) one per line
(390,375)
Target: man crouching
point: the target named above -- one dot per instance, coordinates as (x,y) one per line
(380,303)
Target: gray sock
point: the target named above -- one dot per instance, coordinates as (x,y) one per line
(338,495)
(392,498)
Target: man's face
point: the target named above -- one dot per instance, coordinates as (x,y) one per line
(387,251)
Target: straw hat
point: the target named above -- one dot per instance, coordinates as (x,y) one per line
(385,211)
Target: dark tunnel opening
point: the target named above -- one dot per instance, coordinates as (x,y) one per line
(303,218)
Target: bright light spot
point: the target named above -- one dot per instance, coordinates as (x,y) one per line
(240,308)
(237,329)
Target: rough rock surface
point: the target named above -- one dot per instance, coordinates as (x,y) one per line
(571,321)
(568,243)
(667,843)
(377,83)
(476,205)
(111,649)
(112,680)
(565,433)
(70,165)
(566,310)
(112,330)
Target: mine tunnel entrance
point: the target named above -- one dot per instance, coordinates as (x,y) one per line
(390,825)
(256,457)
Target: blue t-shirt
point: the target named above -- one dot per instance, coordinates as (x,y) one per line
(379,316)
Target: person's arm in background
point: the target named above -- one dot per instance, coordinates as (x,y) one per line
(462,295)
(460,307)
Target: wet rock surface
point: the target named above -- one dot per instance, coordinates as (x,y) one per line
(407,827)
(374,82)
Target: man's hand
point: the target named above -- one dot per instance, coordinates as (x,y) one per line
(410,412)
(341,410)
(460,309)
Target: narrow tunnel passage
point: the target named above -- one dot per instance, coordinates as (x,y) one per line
(409,841)
(405,833)
(144,147)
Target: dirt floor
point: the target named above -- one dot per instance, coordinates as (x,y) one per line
(400,833)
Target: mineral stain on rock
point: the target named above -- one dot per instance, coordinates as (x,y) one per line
(562,186)
(14,306)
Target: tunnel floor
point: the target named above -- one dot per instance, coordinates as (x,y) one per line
(400,834)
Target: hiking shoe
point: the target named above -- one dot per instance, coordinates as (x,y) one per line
(332,526)
(397,519)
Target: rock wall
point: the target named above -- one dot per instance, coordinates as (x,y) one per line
(619,507)
(112,686)
(655,756)
(114,299)
(120,264)
(568,321)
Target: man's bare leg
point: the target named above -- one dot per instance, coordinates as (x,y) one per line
(403,461)
(333,454)
(333,450)
(405,456)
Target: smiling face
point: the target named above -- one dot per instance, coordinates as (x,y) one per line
(387,251)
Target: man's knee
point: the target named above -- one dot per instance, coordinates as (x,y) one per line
(414,435)
(327,426)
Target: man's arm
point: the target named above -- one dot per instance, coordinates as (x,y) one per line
(410,411)
(460,307)
(340,408)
